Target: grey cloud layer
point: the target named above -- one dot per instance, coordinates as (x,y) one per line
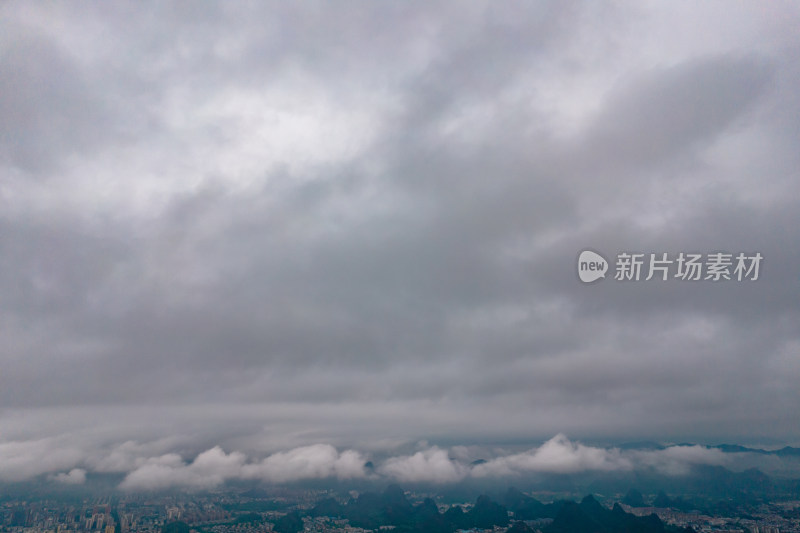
(263,228)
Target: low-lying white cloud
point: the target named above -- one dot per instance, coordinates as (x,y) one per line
(155,465)
(76,476)
(557,455)
(678,460)
(209,469)
(308,462)
(128,455)
(432,465)
(21,460)
(213,467)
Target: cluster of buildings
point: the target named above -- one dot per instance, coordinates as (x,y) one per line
(219,513)
(135,515)
(765,520)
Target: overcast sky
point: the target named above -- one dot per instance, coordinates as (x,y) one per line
(343,228)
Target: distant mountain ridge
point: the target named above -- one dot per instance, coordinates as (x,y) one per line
(786,451)
(392,508)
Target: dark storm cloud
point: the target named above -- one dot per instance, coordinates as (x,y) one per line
(668,112)
(46,100)
(269,229)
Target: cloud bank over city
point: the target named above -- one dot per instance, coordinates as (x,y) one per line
(278,241)
(429,464)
